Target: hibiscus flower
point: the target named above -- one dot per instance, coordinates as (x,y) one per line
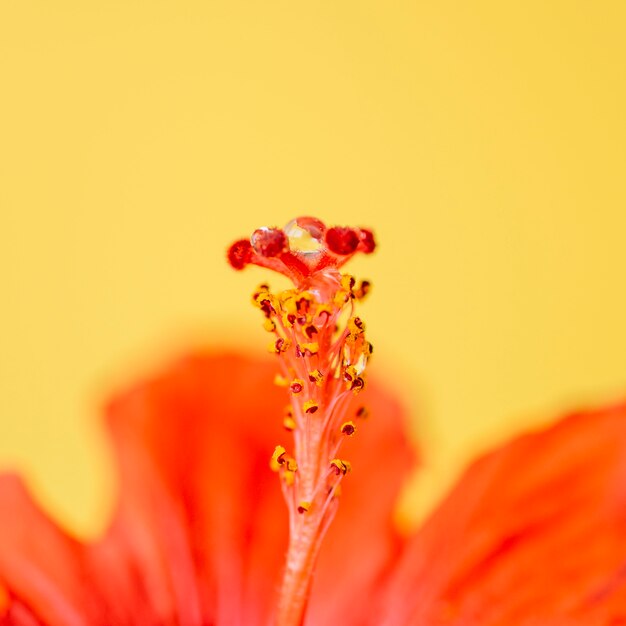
(534,533)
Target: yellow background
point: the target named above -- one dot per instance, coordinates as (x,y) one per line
(484,142)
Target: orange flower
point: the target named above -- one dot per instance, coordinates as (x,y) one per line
(533,534)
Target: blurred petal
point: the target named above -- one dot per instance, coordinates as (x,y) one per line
(534,533)
(40,564)
(201,515)
(201,527)
(16,614)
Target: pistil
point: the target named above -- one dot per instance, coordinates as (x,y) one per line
(322,351)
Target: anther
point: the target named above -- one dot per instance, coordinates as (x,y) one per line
(339,466)
(349,374)
(289,423)
(356,326)
(363,289)
(280,345)
(348,428)
(304,507)
(362,412)
(310,331)
(307,349)
(310,406)
(316,377)
(265,304)
(357,384)
(297,386)
(278,458)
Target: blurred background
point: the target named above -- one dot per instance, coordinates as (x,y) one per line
(485,143)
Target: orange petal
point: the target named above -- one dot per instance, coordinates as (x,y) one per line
(534,533)
(42,566)
(200,531)
(201,516)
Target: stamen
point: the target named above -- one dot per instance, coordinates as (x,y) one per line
(348,428)
(304,507)
(321,347)
(310,406)
(362,412)
(296,386)
(316,377)
(278,458)
(340,466)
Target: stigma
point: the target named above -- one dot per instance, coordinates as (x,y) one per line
(322,354)
(306,251)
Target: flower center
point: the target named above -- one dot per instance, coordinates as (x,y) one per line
(322,352)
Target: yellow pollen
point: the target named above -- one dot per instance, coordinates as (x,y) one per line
(292,466)
(289,423)
(324,308)
(269,325)
(309,349)
(288,301)
(347,282)
(304,506)
(310,406)
(350,374)
(280,381)
(341,297)
(356,326)
(289,477)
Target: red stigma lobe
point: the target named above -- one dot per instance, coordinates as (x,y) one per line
(342,240)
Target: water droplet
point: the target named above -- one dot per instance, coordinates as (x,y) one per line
(306,235)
